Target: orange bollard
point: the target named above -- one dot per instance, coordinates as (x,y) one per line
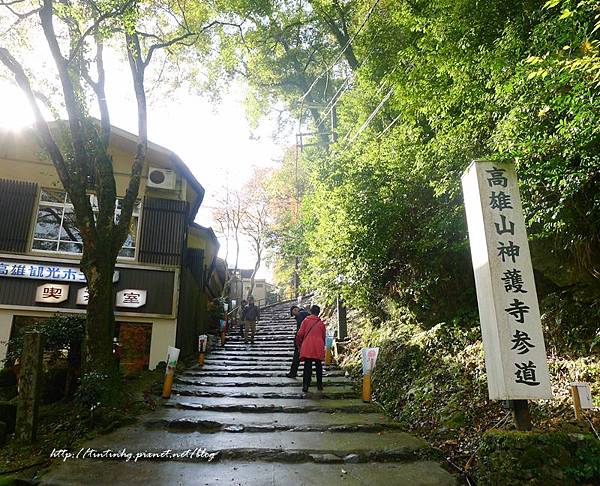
(201,359)
(328,356)
(167,386)
(172,357)
(366,390)
(222,338)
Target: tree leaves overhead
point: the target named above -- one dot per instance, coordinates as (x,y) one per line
(440,84)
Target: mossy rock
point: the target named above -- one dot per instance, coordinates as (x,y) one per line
(556,458)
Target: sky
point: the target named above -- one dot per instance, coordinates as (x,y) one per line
(215,141)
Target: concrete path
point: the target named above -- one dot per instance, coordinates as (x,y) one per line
(259,429)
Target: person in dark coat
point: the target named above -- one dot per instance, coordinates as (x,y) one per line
(311,341)
(242,316)
(299,315)
(251,316)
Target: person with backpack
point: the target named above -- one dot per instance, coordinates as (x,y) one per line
(310,339)
(299,315)
(251,316)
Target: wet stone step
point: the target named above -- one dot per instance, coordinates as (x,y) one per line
(248,367)
(422,473)
(299,395)
(246,364)
(257,381)
(255,353)
(255,359)
(252,384)
(389,445)
(262,405)
(252,374)
(211,421)
(293,388)
(207,427)
(245,348)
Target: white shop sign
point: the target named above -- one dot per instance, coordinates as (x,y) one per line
(132,298)
(515,354)
(40,271)
(44,271)
(52,293)
(83,296)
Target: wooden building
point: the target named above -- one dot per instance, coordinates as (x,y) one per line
(163,269)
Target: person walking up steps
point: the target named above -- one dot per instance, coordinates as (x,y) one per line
(311,341)
(251,315)
(242,311)
(299,315)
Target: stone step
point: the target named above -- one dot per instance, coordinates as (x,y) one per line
(337,388)
(389,445)
(263,405)
(264,366)
(256,359)
(252,374)
(177,420)
(257,381)
(241,349)
(187,391)
(279,341)
(422,473)
(252,353)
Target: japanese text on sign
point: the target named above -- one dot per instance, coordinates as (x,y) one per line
(40,271)
(510,319)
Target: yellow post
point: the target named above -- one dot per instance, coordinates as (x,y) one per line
(327,356)
(172,357)
(576,402)
(366,390)
(167,386)
(201,359)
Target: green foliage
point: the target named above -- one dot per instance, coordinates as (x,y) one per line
(434,381)
(441,84)
(60,333)
(98,391)
(555,458)
(570,326)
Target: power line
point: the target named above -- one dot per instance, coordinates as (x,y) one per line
(392,123)
(339,56)
(371,116)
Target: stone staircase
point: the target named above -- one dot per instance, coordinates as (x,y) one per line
(263,429)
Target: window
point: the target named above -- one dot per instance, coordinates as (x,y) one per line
(55,229)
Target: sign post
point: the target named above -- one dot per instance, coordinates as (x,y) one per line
(172,357)
(515,353)
(369,358)
(202,340)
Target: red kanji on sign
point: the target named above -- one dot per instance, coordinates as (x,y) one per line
(52,293)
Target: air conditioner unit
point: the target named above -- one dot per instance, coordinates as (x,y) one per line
(161,178)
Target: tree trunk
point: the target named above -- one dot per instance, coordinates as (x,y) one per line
(100,325)
(253,277)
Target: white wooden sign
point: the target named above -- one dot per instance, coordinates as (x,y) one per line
(132,298)
(83,296)
(51,293)
(515,353)
(584,391)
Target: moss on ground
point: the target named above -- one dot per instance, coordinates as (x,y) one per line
(538,458)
